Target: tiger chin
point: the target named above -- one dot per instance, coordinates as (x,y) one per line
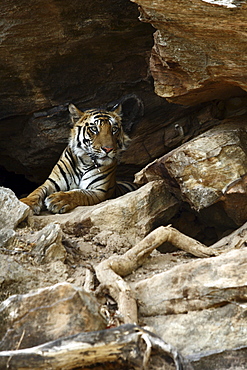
(85,174)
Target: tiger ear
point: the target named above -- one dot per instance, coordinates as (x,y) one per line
(75,113)
(117,109)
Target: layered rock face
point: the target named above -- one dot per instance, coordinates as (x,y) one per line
(199,48)
(53,52)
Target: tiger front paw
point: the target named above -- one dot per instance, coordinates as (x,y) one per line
(59,202)
(33,203)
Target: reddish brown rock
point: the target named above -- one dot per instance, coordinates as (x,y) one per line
(199,48)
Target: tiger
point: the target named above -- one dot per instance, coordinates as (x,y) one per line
(85,174)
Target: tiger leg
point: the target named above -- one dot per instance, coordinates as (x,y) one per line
(35,200)
(61,202)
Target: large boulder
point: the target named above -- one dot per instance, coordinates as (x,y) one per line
(199,305)
(199,48)
(47,314)
(208,172)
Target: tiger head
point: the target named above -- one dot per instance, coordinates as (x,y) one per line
(98,134)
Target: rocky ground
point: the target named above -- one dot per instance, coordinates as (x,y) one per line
(55,268)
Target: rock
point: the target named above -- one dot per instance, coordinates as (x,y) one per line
(234,359)
(12,212)
(200,305)
(79,49)
(7,237)
(47,314)
(12,273)
(235,195)
(209,339)
(131,216)
(47,244)
(198,55)
(208,169)
(218,279)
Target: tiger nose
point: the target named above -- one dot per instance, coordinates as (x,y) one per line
(106,149)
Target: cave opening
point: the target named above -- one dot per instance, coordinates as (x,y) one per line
(18,183)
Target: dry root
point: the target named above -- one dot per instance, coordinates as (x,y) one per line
(111,271)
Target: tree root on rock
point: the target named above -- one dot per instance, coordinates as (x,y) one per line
(111,271)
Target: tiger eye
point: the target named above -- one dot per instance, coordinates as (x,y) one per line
(93,129)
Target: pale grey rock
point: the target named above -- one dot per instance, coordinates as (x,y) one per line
(132,216)
(48,245)
(7,236)
(12,271)
(195,285)
(200,333)
(200,306)
(12,211)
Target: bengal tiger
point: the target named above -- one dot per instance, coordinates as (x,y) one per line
(85,174)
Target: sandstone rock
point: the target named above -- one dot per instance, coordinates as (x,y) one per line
(12,212)
(131,216)
(47,314)
(63,48)
(11,272)
(67,60)
(47,244)
(7,237)
(234,359)
(209,339)
(198,285)
(200,305)
(208,169)
(199,48)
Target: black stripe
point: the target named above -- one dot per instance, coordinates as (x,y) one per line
(64,175)
(102,116)
(103,191)
(70,170)
(74,171)
(85,141)
(78,135)
(91,194)
(124,187)
(70,158)
(54,182)
(94,194)
(98,178)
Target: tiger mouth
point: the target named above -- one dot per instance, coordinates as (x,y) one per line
(99,160)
